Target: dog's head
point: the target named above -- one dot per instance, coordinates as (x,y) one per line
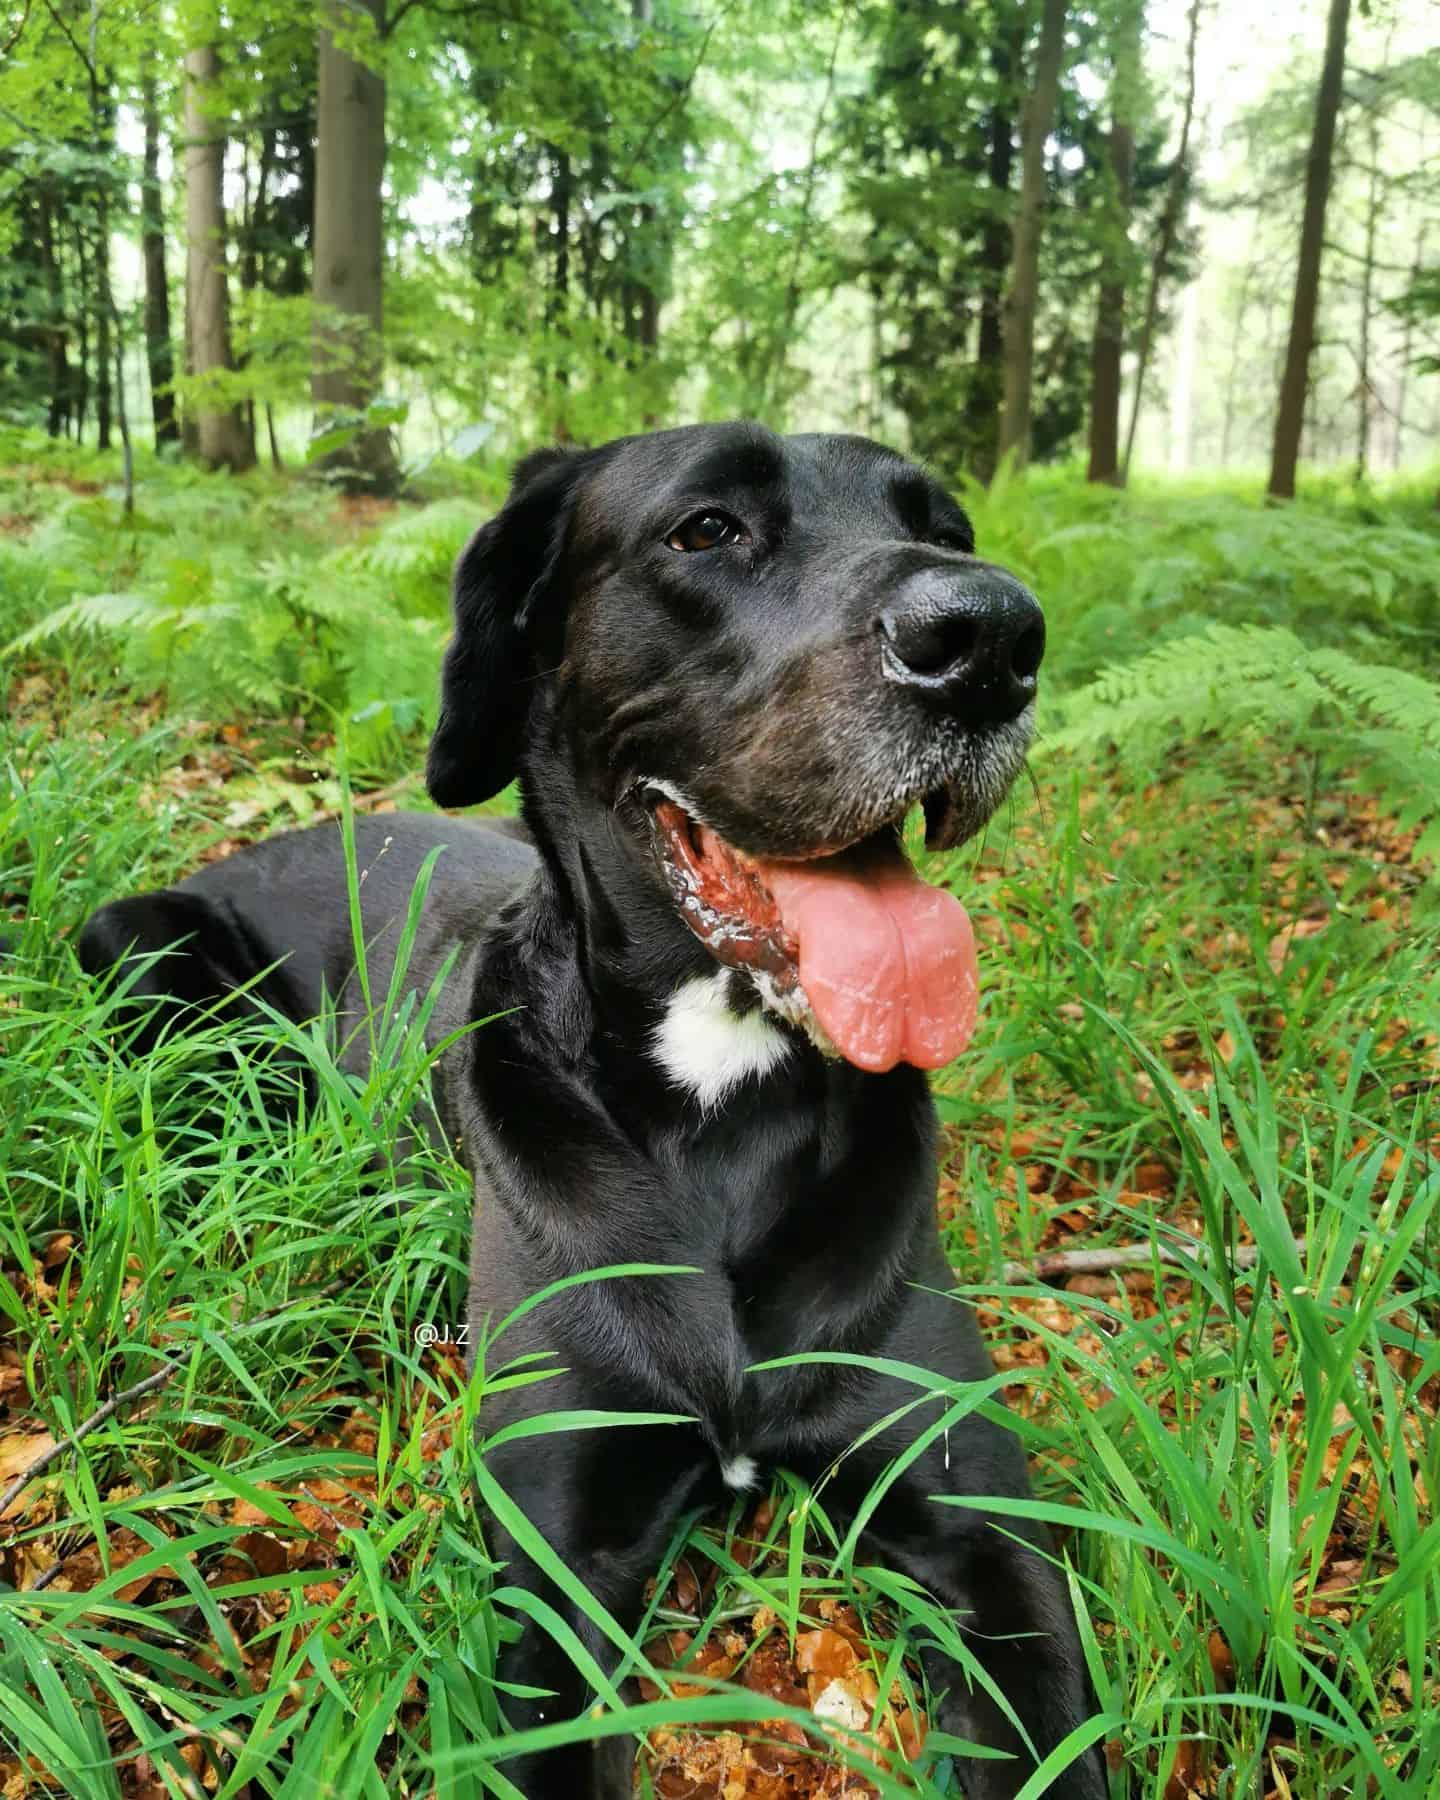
(757,654)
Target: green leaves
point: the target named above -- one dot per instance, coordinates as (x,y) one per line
(342,428)
(1227,678)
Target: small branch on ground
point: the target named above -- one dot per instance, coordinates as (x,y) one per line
(151,1384)
(1061,1264)
(166,1372)
(378,796)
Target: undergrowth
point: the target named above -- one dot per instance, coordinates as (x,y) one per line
(1212,1032)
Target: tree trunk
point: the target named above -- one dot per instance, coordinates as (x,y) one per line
(159,351)
(1108,344)
(645,308)
(558,305)
(557,300)
(987,379)
(58,417)
(103,308)
(349,247)
(1036,115)
(127,448)
(276,460)
(189,427)
(251,239)
(1290,414)
(1364,385)
(221,431)
(82,334)
(1166,233)
(1407,337)
(1238,342)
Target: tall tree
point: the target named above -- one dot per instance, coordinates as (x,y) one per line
(1364,371)
(61,397)
(1036,116)
(349,240)
(1109,340)
(159,351)
(986,386)
(641,300)
(1167,235)
(221,435)
(103,138)
(1290,414)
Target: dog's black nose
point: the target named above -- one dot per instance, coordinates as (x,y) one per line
(971,637)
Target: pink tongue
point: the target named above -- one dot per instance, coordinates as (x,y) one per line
(886,961)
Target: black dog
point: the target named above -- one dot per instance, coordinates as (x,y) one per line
(724,665)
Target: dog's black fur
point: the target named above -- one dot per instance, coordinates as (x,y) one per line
(594,657)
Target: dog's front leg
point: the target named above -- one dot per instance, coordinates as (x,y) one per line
(606,1503)
(993,1574)
(1008,1600)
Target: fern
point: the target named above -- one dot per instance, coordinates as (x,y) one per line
(1400,698)
(216,620)
(91,612)
(1379,718)
(425,542)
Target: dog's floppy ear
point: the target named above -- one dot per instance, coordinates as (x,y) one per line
(487,680)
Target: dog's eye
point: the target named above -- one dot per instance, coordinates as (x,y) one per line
(708,531)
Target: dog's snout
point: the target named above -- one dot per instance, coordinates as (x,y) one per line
(972,638)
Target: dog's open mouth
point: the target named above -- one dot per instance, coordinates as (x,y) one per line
(885,962)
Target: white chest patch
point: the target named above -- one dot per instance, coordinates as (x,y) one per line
(703,1046)
(739,1472)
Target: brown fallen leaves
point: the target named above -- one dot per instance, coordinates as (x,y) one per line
(834,1667)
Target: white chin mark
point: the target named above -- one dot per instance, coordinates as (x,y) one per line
(739,1473)
(705,1047)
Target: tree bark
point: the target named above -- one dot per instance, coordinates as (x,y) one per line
(987,380)
(1168,230)
(558,305)
(103,309)
(1290,414)
(1364,384)
(123,417)
(1036,116)
(349,245)
(223,440)
(1108,344)
(557,301)
(642,313)
(250,241)
(189,426)
(159,351)
(58,416)
(82,334)
(1238,342)
(1407,338)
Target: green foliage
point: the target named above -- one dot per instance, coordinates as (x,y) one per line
(1196,961)
(932,169)
(1345,567)
(219,595)
(1379,720)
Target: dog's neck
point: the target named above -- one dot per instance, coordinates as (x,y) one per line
(602,950)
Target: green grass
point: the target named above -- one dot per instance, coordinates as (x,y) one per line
(1213,1019)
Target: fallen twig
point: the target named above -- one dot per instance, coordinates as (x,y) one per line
(151,1384)
(1058,1265)
(38,1465)
(378,796)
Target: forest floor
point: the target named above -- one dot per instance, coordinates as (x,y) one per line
(1191,1184)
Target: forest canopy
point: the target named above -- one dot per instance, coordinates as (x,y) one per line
(980,229)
